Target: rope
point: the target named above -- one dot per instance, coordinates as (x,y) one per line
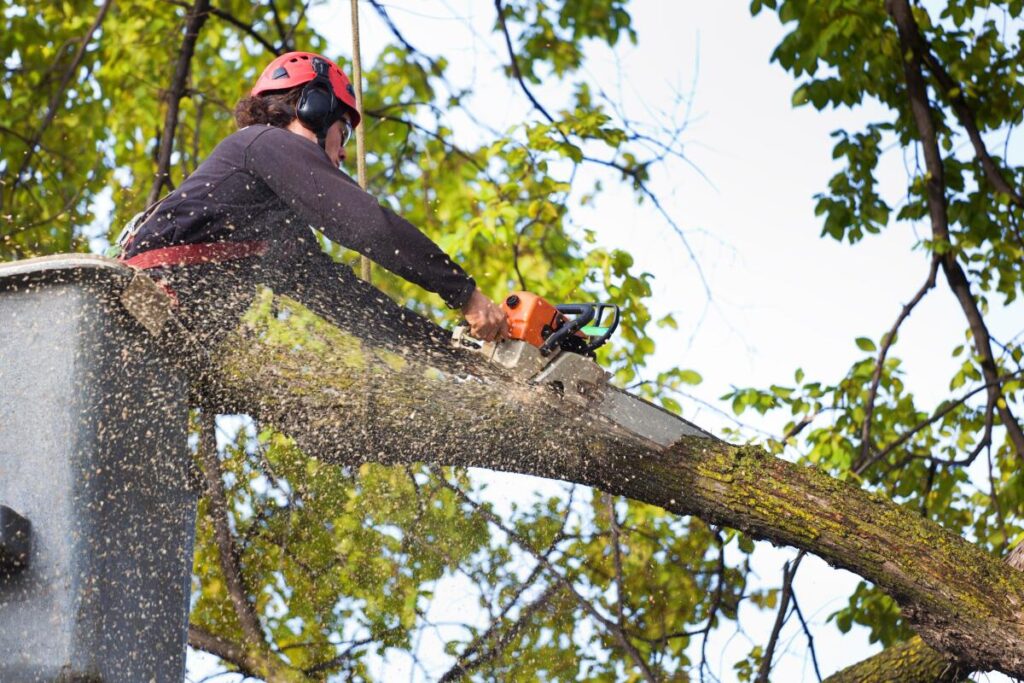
(357,81)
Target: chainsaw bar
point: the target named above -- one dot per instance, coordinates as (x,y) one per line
(580,382)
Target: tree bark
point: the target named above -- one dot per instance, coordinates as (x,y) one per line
(909,662)
(913,661)
(352,395)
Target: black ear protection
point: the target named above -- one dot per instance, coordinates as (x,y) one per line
(318,106)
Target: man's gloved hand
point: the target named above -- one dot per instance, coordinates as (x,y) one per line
(486,320)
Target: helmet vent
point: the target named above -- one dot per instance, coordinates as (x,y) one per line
(280,72)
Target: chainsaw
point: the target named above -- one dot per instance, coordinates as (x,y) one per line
(553,347)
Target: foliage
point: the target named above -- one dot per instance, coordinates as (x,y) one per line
(851,55)
(344,567)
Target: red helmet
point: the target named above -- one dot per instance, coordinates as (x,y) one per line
(295,68)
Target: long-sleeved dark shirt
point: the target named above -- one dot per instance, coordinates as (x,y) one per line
(267,183)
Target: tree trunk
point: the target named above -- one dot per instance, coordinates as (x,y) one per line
(350,396)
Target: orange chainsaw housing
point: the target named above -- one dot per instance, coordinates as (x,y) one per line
(531,318)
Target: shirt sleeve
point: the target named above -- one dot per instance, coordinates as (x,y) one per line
(300,174)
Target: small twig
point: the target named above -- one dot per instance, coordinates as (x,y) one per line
(887,341)
(248,29)
(612,627)
(788,572)
(810,638)
(383,13)
(502,640)
(937,415)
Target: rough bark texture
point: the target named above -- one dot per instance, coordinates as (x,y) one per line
(913,661)
(348,398)
(909,662)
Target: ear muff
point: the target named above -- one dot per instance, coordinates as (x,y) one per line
(318,106)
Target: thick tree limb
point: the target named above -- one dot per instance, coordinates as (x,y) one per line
(935,185)
(194,21)
(913,661)
(958,598)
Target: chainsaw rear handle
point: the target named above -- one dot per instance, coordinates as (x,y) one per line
(602,333)
(583,315)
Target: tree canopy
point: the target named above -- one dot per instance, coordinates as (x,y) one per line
(305,570)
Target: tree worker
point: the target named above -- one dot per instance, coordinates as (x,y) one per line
(244,216)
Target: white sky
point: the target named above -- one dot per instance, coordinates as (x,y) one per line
(783,297)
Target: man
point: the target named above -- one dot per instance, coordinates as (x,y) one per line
(245,214)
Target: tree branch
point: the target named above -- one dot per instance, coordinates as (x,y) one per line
(887,342)
(382,11)
(248,29)
(810,638)
(954,95)
(460,668)
(226,650)
(612,627)
(935,185)
(788,572)
(229,563)
(55,99)
(941,412)
(502,639)
(194,21)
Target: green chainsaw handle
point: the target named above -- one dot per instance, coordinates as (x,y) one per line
(584,315)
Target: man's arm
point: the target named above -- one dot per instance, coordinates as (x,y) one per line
(324,197)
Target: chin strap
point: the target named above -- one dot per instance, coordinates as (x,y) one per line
(321,139)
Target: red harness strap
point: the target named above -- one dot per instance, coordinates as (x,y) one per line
(191,254)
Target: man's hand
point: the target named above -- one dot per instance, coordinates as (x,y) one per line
(486,320)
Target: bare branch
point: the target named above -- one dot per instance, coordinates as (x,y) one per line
(788,572)
(193,23)
(248,29)
(382,11)
(501,639)
(935,185)
(887,342)
(810,638)
(229,563)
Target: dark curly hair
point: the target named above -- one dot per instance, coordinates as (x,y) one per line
(276,108)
